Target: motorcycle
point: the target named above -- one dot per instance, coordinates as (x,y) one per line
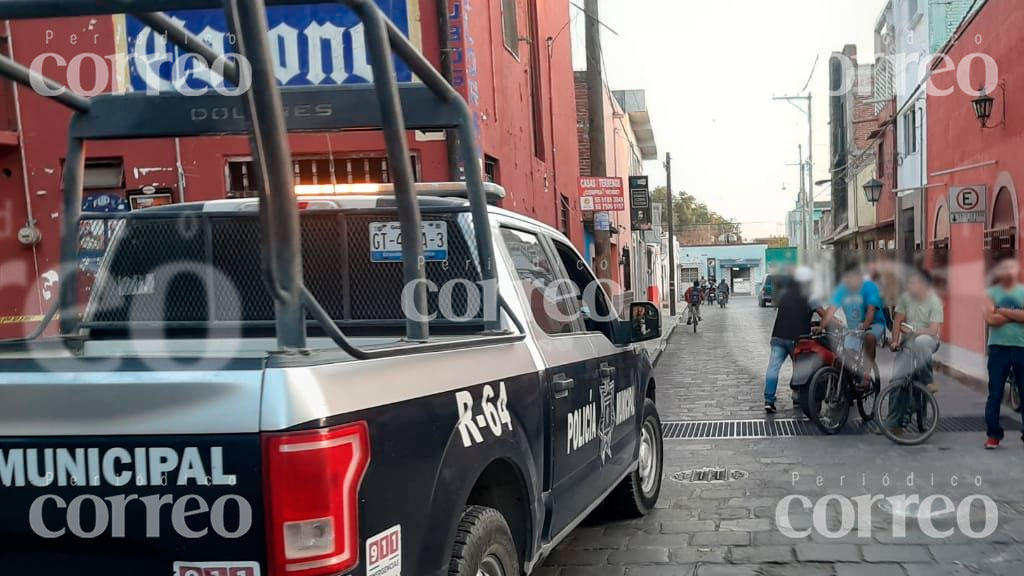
(813,352)
(723,299)
(711,297)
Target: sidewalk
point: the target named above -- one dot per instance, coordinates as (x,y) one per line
(967,367)
(668,326)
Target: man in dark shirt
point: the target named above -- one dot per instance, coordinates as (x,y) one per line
(795,312)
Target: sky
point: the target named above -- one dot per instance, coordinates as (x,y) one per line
(710,69)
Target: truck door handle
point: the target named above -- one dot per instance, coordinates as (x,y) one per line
(607,371)
(561,386)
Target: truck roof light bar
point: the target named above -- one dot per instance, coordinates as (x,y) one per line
(493,192)
(104,117)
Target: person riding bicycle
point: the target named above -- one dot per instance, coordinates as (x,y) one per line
(861,302)
(917,323)
(694,296)
(919,317)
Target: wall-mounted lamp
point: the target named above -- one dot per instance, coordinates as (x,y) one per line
(984,104)
(873,190)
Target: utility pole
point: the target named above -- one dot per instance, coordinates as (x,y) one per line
(805,241)
(670,200)
(595,105)
(803,198)
(807,200)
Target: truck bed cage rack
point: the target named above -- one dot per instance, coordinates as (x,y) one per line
(260,112)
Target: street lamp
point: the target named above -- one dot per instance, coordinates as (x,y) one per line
(984,104)
(983,107)
(873,190)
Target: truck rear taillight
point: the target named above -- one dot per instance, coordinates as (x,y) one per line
(312,491)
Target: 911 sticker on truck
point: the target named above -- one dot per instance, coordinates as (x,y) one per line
(493,416)
(384,553)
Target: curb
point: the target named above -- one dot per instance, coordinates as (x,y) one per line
(973,382)
(663,344)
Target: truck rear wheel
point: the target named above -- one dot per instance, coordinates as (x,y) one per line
(638,492)
(483,545)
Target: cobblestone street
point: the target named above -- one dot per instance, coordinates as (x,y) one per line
(731,528)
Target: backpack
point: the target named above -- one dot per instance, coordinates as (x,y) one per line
(695,296)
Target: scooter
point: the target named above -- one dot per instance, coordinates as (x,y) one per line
(813,352)
(723,299)
(711,296)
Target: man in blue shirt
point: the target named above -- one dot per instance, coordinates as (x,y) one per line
(861,302)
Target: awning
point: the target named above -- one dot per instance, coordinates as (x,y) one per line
(634,104)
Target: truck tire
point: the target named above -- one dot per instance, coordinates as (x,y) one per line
(638,492)
(483,545)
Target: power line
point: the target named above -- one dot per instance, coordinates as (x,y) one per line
(599,21)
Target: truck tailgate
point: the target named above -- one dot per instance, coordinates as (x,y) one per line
(131,506)
(130,472)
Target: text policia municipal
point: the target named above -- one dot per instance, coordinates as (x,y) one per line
(154,466)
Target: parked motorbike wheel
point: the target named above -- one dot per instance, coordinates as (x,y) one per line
(828,402)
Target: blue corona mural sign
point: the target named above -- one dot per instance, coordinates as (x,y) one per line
(319,44)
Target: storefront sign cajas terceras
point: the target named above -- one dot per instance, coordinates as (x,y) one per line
(601,194)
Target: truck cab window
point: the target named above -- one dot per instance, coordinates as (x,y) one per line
(550,303)
(597,313)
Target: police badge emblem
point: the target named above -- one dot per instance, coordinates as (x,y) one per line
(606,423)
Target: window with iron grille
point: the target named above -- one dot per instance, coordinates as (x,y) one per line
(910,132)
(491,172)
(563,216)
(242,181)
(510,25)
(536,84)
(688,275)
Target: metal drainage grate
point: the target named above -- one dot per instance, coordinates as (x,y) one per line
(791,428)
(739,429)
(969,424)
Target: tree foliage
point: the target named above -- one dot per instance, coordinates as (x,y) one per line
(688,211)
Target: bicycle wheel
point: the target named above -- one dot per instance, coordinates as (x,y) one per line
(828,402)
(911,413)
(1014,393)
(867,400)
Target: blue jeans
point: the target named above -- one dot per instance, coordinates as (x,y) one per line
(781,349)
(1000,360)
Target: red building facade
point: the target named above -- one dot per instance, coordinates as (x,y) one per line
(507,58)
(961,152)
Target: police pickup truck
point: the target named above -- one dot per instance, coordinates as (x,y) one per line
(167,440)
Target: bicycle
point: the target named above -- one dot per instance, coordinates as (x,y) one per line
(917,407)
(1014,394)
(694,317)
(834,389)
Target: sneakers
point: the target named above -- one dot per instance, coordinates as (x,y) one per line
(992,444)
(769,408)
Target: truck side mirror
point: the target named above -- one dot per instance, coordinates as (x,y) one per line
(645,322)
